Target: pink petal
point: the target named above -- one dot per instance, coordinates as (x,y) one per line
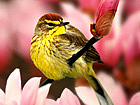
(12,103)
(76,20)
(4,36)
(68,98)
(113,89)
(2,96)
(51,1)
(105,16)
(87,95)
(13,87)
(28,11)
(106,48)
(106,5)
(135,100)
(93,4)
(42,94)
(131,6)
(29,93)
(51,102)
(130,37)
(89,6)
(128,44)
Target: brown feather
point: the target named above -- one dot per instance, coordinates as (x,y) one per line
(51,16)
(74,36)
(79,40)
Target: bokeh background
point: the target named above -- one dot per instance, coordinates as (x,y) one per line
(120,50)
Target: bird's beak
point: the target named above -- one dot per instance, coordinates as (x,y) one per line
(64,23)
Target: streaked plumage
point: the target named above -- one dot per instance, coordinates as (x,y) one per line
(54,42)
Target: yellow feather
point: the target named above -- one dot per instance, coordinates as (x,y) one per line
(52,47)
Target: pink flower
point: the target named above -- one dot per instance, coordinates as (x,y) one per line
(67,98)
(51,1)
(128,45)
(135,100)
(31,93)
(113,88)
(69,10)
(24,15)
(129,39)
(106,5)
(90,7)
(105,47)
(5,51)
(131,6)
(105,15)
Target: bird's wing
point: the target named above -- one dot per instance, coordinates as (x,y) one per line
(74,36)
(92,55)
(79,40)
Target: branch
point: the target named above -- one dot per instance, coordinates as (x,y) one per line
(83,50)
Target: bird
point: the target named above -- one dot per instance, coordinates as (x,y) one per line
(54,43)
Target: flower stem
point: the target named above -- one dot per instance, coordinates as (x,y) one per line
(83,50)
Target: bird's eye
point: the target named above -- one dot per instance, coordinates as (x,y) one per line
(51,24)
(61,22)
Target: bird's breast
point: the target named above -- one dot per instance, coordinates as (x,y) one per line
(51,57)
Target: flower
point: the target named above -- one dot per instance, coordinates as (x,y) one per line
(105,48)
(135,100)
(105,15)
(67,98)
(131,6)
(128,45)
(50,1)
(106,5)
(89,7)
(5,51)
(107,45)
(69,10)
(113,88)
(31,94)
(24,15)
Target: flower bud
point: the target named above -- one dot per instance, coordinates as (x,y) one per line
(105,16)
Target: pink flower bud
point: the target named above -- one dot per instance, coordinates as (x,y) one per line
(105,16)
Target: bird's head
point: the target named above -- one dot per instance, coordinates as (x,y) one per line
(51,23)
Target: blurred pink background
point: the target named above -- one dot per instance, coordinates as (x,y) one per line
(120,50)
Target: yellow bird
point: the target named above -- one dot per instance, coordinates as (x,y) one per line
(53,44)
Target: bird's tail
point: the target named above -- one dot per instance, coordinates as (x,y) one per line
(101,94)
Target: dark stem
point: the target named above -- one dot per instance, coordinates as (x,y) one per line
(83,50)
